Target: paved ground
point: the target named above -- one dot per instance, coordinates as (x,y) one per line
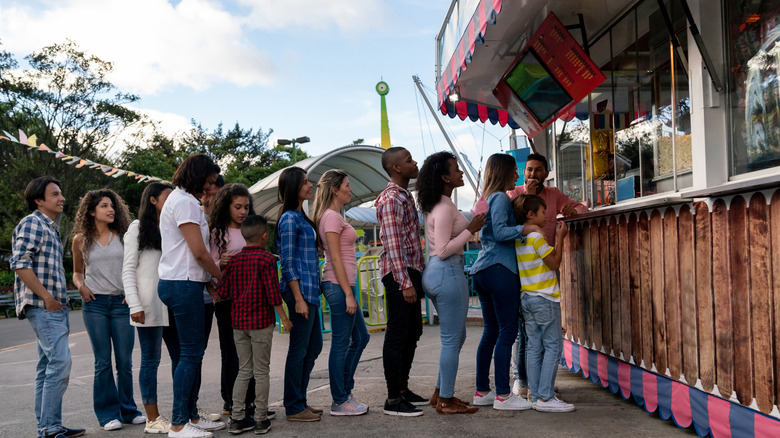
(599,412)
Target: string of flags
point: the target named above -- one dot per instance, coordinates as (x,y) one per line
(32,143)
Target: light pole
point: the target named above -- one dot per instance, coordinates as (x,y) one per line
(293,142)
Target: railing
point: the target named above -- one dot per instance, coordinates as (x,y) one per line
(370,283)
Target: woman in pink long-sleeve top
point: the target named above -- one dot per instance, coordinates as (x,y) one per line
(444,281)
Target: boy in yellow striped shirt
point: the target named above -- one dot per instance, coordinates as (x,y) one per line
(540,300)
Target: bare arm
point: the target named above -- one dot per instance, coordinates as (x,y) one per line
(191,233)
(553,260)
(78,268)
(341,273)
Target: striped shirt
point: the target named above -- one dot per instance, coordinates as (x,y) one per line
(536,278)
(297,243)
(250,280)
(37,246)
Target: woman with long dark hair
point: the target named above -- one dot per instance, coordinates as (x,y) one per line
(296,239)
(185,268)
(231,205)
(498,286)
(446,231)
(147,313)
(349,333)
(98,252)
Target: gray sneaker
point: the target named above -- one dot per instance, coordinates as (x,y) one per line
(348,408)
(553,405)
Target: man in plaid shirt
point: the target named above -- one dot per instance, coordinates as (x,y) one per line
(41,298)
(251,282)
(401,265)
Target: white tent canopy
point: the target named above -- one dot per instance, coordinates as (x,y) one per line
(362,163)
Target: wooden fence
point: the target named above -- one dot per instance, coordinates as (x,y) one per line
(689,290)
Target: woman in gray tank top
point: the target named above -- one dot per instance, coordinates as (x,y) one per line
(98,253)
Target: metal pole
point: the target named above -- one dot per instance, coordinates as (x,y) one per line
(416,80)
(295,152)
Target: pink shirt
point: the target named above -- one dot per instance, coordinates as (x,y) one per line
(446,229)
(332,222)
(555,200)
(234,243)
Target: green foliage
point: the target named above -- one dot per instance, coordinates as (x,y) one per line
(6,279)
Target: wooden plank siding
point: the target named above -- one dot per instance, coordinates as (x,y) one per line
(691,291)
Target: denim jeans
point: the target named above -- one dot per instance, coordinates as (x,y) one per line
(53,371)
(305,346)
(185,299)
(519,371)
(499,295)
(404,328)
(349,338)
(447,287)
(150,339)
(545,344)
(107,320)
(254,355)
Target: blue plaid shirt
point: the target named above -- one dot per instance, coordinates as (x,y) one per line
(297,244)
(37,246)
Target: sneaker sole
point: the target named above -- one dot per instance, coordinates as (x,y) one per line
(480,403)
(213,429)
(262,432)
(420,403)
(236,432)
(154,431)
(403,414)
(542,409)
(347,414)
(523,408)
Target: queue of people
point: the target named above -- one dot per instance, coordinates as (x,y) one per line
(197,250)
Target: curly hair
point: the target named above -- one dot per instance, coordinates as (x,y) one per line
(148,227)
(219,219)
(85,222)
(430,185)
(192,173)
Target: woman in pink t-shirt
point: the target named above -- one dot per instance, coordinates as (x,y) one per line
(349,336)
(231,205)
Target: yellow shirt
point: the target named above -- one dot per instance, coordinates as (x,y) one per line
(536,278)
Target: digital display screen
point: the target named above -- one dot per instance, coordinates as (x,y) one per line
(536,87)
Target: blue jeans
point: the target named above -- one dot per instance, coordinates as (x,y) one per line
(107,321)
(305,346)
(185,299)
(447,287)
(499,295)
(545,344)
(348,340)
(151,339)
(53,371)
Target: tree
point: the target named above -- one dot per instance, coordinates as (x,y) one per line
(66,100)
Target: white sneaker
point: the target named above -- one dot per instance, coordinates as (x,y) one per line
(512,403)
(206,424)
(553,405)
(159,425)
(113,425)
(484,400)
(141,419)
(190,431)
(208,415)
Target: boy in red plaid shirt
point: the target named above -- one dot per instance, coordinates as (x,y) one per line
(252,282)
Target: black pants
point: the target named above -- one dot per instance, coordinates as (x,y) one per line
(404,328)
(227,349)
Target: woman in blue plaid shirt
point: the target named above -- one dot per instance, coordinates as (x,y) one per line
(296,240)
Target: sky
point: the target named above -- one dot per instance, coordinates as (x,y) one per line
(299,67)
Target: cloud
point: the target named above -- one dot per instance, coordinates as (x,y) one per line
(153,44)
(347,16)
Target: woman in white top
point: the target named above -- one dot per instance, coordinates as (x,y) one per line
(185,268)
(349,334)
(147,313)
(444,281)
(101,222)
(231,205)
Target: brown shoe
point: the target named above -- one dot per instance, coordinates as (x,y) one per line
(448,406)
(314,410)
(458,401)
(435,397)
(304,415)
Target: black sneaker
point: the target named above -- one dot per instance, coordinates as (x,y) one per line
(270,415)
(227,409)
(67,433)
(242,425)
(414,399)
(402,408)
(263,427)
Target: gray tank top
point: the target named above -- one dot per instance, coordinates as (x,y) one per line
(103,270)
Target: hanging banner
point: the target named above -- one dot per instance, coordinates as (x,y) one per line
(549,76)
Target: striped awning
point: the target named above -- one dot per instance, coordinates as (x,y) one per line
(476,112)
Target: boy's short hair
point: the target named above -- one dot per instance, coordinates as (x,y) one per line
(36,189)
(524,204)
(253,227)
